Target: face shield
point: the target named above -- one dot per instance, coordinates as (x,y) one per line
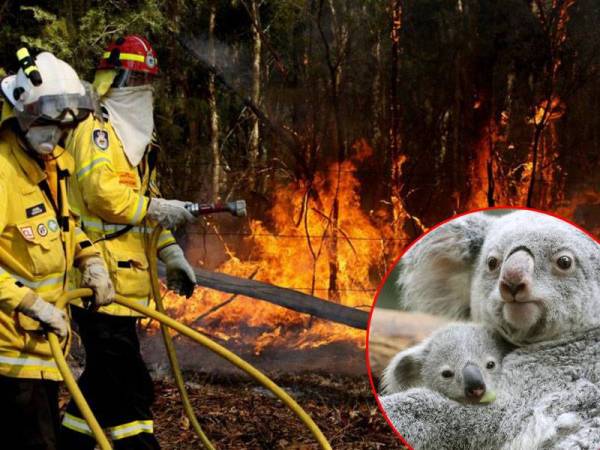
(62,110)
(132,78)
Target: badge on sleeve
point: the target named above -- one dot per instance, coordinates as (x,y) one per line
(53,225)
(100,138)
(27,233)
(42,230)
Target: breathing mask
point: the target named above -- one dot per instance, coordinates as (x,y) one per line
(42,139)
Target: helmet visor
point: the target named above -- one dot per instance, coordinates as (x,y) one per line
(131,78)
(65,110)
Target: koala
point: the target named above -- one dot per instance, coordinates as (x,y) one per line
(460,361)
(530,276)
(535,280)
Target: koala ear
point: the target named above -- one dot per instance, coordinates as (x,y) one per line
(435,275)
(404,371)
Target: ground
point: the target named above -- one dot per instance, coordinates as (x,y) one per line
(237,414)
(330,382)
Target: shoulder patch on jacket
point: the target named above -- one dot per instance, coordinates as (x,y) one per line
(100,138)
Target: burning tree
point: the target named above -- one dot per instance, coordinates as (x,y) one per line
(352,126)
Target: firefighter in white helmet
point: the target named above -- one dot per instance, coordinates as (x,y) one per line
(39,243)
(115,193)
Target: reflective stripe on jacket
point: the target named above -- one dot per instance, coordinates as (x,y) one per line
(37,247)
(110,194)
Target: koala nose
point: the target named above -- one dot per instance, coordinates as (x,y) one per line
(512,288)
(516,276)
(474,383)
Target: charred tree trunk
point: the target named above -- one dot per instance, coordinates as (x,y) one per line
(254,144)
(394,132)
(457,166)
(554,22)
(214,113)
(378,100)
(395,156)
(535,147)
(334,69)
(491,183)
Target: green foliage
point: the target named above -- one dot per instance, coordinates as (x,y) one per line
(53,36)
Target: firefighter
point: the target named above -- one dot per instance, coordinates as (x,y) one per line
(39,242)
(114,191)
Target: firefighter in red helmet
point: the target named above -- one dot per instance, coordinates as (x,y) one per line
(114,193)
(133,57)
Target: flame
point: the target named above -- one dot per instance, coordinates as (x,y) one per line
(498,171)
(297,245)
(548,111)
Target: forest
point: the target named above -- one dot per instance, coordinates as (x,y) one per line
(402,112)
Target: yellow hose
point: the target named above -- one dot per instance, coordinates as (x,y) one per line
(236,361)
(67,375)
(213,346)
(168,341)
(195,336)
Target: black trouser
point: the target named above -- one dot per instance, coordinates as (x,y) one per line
(115,383)
(29,416)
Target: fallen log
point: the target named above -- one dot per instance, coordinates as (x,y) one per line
(198,319)
(287,298)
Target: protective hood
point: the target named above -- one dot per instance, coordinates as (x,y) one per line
(131,115)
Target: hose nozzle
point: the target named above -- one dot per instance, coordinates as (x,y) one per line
(236,208)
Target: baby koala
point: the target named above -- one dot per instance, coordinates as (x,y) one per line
(461,361)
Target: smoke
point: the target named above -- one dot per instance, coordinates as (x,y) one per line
(230,62)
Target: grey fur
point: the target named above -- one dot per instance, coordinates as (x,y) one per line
(435,274)
(451,348)
(445,273)
(548,398)
(549,389)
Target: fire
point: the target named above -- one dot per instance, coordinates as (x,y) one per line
(296,246)
(501,170)
(548,111)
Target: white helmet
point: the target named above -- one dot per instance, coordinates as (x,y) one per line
(61,98)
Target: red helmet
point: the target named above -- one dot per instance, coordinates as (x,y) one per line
(130,53)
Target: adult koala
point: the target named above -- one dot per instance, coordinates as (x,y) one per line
(536,280)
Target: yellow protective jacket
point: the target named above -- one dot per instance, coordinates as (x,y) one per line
(110,194)
(39,243)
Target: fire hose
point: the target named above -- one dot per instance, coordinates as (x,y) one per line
(236,208)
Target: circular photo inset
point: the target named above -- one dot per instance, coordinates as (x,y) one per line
(486,335)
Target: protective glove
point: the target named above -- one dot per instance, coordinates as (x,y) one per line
(51,318)
(180,275)
(169,213)
(95,276)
